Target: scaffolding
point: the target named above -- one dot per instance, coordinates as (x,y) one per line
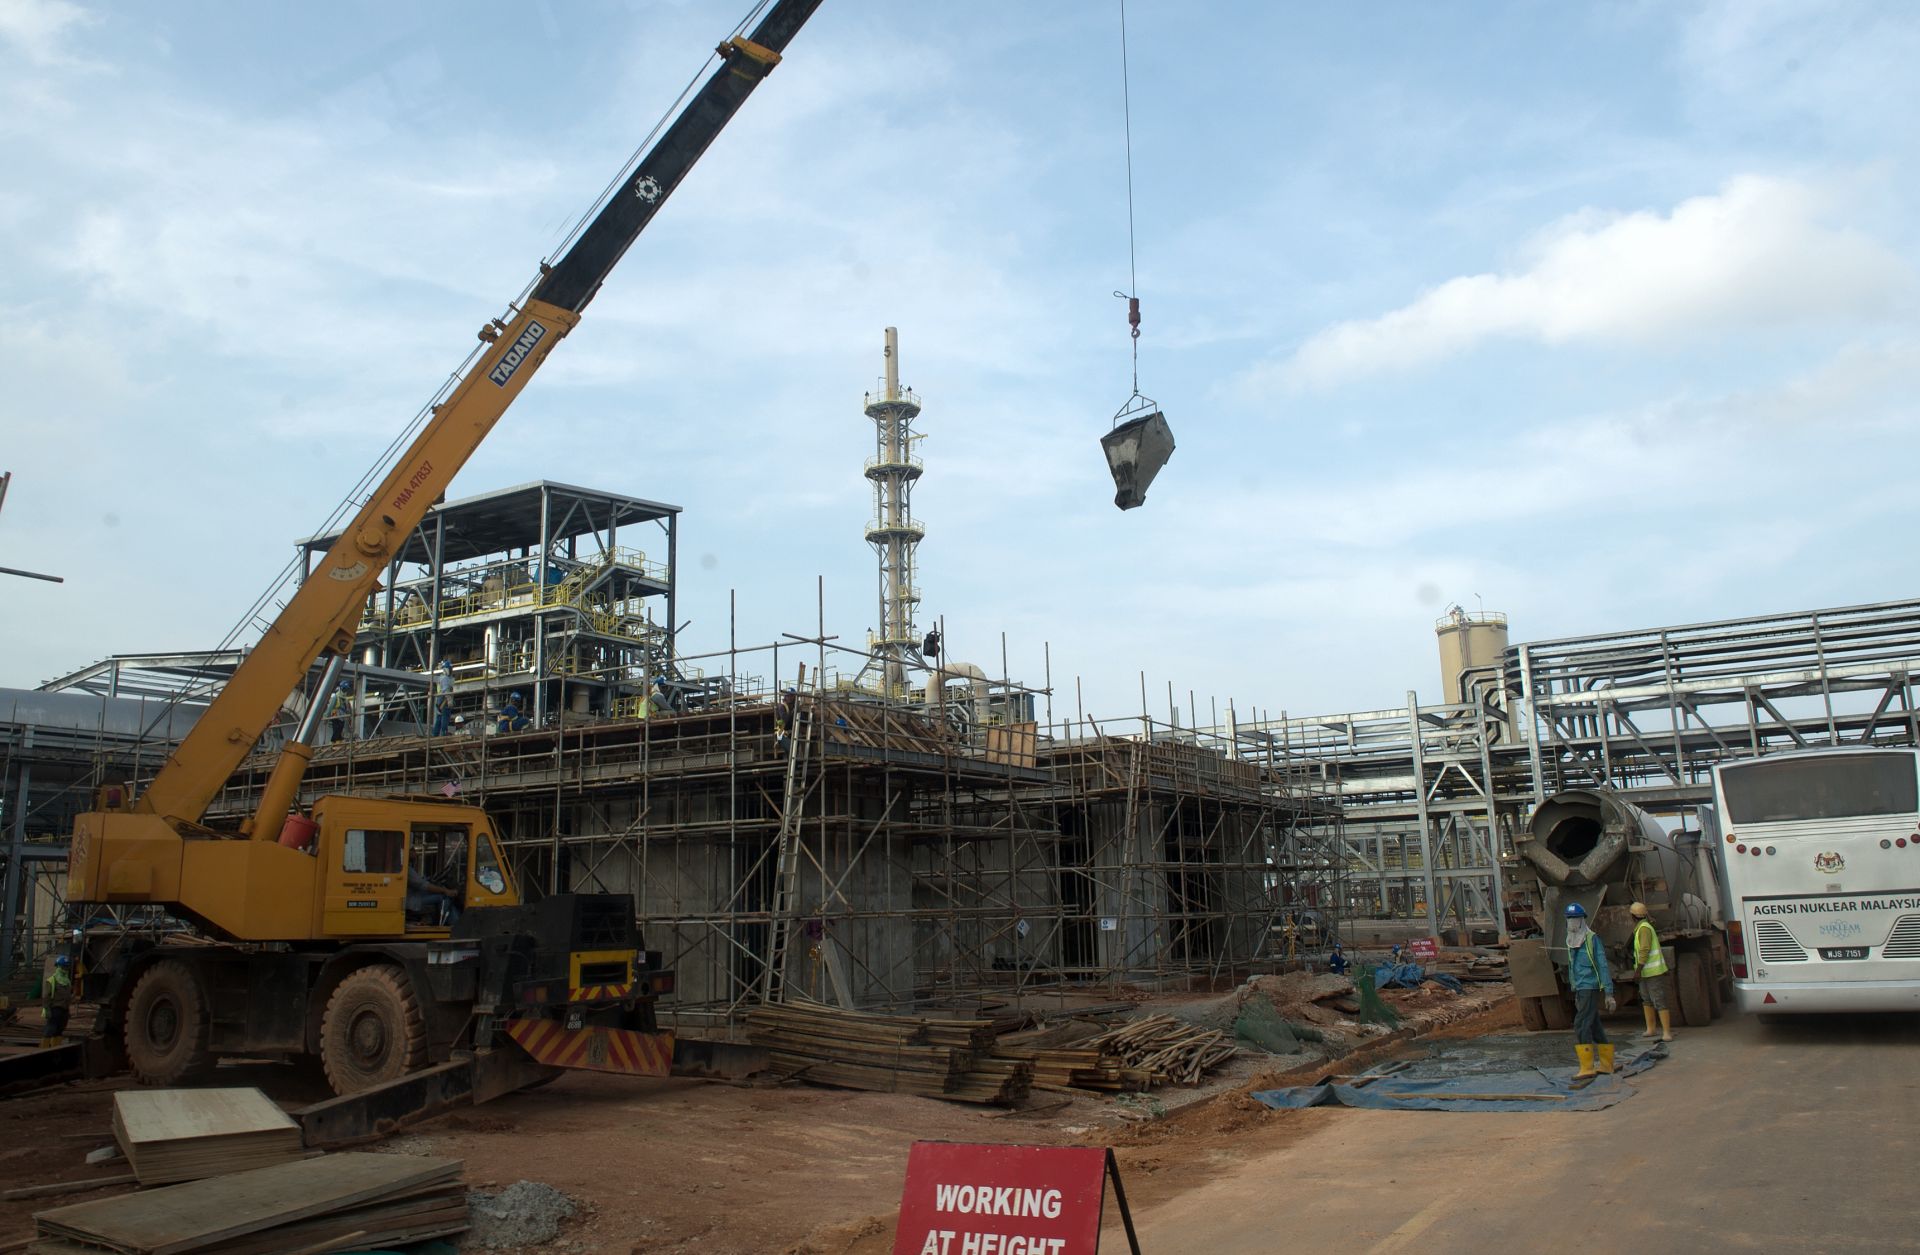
(879,854)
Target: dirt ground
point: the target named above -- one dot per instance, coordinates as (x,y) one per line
(682,1165)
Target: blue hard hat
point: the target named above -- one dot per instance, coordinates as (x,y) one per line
(1576,911)
(62,961)
(516,697)
(346,684)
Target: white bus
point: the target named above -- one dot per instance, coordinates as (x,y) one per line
(1822,856)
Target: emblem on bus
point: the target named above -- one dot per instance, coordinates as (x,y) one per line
(1831,863)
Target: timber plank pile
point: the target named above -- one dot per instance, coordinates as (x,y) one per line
(348,1201)
(1170,1047)
(1060,1068)
(970,1061)
(1064,1058)
(172,1135)
(951,1059)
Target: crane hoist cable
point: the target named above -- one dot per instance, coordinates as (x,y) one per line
(1132,295)
(1140,442)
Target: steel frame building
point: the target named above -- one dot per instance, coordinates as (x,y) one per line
(1432,794)
(540,589)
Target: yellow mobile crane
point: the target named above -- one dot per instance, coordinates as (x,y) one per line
(315,952)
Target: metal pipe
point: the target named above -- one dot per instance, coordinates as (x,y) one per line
(16,853)
(276,799)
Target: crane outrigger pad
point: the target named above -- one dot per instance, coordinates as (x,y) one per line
(1136,450)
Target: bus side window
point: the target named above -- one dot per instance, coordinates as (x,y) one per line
(486,868)
(374,852)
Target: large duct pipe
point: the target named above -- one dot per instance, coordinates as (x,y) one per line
(976,680)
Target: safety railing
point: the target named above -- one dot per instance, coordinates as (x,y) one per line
(906,525)
(908,462)
(523,594)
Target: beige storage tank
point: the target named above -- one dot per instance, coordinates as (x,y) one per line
(1467,642)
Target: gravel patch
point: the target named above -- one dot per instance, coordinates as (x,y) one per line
(524,1214)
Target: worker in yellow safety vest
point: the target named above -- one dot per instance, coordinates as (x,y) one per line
(1650,967)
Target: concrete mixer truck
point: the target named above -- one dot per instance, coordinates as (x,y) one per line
(1593,847)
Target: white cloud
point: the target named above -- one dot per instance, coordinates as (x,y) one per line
(39,28)
(1759,252)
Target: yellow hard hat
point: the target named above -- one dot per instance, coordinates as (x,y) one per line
(1638,910)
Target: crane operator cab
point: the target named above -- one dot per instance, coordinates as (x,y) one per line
(406,869)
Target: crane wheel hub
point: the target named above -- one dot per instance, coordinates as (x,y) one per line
(369,1039)
(163,1024)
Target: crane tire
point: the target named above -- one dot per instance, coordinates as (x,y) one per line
(373,1030)
(168,1029)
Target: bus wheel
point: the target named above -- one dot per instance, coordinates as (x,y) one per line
(1690,990)
(1532,1015)
(168,1028)
(373,1030)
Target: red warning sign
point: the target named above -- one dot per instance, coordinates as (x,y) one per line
(965,1199)
(1423,949)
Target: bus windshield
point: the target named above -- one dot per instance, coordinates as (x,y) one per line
(1842,786)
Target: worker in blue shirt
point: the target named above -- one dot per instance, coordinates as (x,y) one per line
(511,720)
(1587,973)
(1337,961)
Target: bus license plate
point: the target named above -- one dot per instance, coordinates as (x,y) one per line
(1843,952)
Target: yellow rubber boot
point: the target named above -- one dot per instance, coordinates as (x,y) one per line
(1585,1054)
(1666,1026)
(1653,1027)
(1603,1058)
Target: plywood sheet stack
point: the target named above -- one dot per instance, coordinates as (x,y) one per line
(950,1059)
(349,1201)
(171,1135)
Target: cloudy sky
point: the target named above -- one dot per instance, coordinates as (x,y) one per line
(1603,316)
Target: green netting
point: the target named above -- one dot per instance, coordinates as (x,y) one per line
(1260,1025)
(1372,1009)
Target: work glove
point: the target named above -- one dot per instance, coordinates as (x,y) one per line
(1610,1004)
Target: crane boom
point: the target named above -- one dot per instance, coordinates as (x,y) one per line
(321,617)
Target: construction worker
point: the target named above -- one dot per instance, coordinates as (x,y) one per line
(783,715)
(55,993)
(438,898)
(1650,966)
(1587,973)
(443,699)
(511,720)
(1337,961)
(340,709)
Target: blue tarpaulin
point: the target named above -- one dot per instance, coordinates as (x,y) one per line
(1535,1089)
(1409,976)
